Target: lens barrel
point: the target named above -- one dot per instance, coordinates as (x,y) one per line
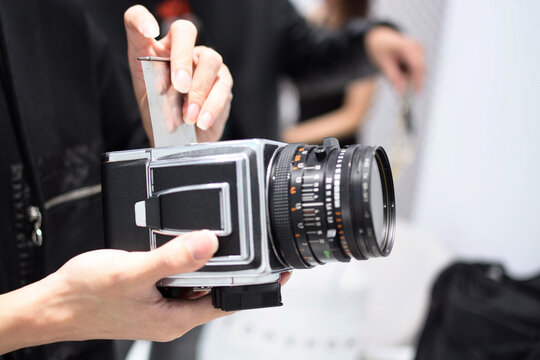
(331,204)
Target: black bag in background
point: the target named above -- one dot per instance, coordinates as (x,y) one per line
(478,312)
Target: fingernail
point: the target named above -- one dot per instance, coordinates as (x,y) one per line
(204,121)
(150,30)
(182,81)
(202,245)
(192,113)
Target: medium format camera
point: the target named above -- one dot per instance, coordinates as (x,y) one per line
(273,206)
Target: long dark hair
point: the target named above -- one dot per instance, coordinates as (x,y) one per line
(355,8)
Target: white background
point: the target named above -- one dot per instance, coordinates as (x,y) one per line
(479,186)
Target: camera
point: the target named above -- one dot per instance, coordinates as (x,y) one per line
(274,207)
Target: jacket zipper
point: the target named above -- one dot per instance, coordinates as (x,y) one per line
(34,216)
(34,213)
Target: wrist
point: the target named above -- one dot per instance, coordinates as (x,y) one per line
(34,315)
(379,30)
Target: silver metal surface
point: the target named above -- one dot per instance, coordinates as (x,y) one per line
(127,155)
(165,105)
(220,279)
(140,213)
(177,156)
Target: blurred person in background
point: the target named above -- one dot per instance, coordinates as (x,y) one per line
(327,111)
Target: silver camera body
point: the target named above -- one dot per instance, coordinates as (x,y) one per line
(152,195)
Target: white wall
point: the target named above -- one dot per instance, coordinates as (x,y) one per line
(480,183)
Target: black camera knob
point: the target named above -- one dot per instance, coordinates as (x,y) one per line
(320,152)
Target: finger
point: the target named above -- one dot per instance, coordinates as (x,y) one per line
(141,27)
(217,99)
(204,76)
(196,312)
(140,24)
(214,133)
(178,316)
(183,254)
(415,63)
(284,277)
(183,35)
(390,68)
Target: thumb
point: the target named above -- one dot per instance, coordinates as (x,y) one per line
(183,254)
(141,26)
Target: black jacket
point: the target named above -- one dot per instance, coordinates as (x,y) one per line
(62,104)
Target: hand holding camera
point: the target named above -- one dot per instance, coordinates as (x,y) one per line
(111,294)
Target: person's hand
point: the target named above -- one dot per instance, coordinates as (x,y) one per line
(196,71)
(110,294)
(399,57)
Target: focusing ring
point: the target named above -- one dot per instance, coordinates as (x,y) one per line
(280,213)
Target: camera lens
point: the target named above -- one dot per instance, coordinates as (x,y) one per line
(330,204)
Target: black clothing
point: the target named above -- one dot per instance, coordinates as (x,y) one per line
(320,104)
(62,104)
(478,312)
(261,41)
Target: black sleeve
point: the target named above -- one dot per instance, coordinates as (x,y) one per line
(308,51)
(121,120)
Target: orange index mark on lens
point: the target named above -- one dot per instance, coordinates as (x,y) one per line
(297,158)
(293,190)
(297,235)
(301,149)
